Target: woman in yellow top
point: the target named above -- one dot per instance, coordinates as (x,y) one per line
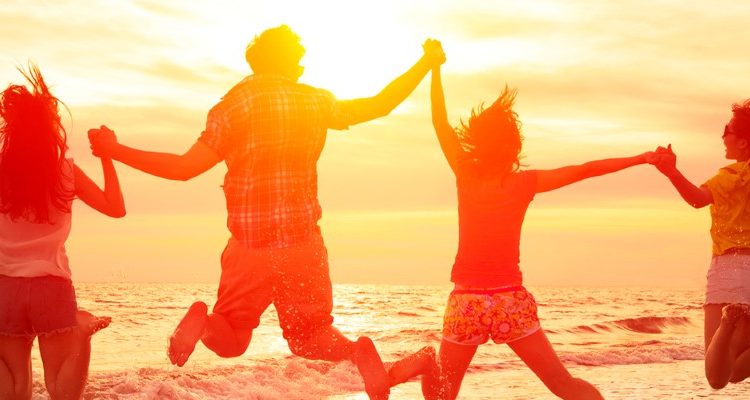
(727,304)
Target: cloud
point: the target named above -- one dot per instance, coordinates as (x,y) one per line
(168,9)
(595,79)
(208,77)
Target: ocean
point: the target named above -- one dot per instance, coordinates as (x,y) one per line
(630,343)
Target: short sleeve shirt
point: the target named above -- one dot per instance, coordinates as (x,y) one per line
(270,131)
(491,211)
(730,210)
(29,249)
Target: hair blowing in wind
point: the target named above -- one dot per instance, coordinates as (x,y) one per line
(33,150)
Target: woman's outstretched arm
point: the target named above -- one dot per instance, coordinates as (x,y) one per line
(556,178)
(445,133)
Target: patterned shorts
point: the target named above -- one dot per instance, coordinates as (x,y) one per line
(503,314)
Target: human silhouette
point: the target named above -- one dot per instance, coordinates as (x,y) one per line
(488,300)
(37,299)
(270,130)
(726,312)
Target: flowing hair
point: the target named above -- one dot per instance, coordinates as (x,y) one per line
(491,139)
(33,150)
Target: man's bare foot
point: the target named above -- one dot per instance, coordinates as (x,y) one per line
(370,366)
(421,362)
(732,313)
(187,334)
(89,324)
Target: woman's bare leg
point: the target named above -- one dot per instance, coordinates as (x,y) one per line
(727,350)
(453,360)
(536,351)
(66,357)
(740,344)
(15,368)
(720,354)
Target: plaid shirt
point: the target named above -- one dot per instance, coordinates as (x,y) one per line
(270,131)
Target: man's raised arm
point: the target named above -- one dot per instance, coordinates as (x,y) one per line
(366,109)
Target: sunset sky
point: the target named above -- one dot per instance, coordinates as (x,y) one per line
(596,80)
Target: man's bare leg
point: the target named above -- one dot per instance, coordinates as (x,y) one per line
(223,338)
(187,334)
(328,343)
(370,366)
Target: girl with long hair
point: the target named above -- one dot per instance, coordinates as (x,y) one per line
(489,300)
(37,300)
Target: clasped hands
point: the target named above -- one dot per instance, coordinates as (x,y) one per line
(663,158)
(102,141)
(433,52)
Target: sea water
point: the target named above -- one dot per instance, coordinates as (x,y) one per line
(631,343)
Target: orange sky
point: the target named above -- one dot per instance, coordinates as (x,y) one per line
(595,80)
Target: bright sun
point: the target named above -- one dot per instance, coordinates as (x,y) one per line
(358,56)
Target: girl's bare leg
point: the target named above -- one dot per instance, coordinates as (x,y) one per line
(536,351)
(15,368)
(720,353)
(453,360)
(66,357)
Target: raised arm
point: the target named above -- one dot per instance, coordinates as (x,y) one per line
(445,133)
(367,109)
(665,161)
(108,201)
(556,178)
(199,159)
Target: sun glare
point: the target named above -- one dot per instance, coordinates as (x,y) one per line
(357,64)
(352,57)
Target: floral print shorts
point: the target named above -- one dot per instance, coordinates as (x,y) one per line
(503,314)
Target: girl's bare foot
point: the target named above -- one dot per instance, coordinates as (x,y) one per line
(89,324)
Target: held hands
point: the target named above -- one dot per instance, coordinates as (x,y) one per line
(664,159)
(433,53)
(102,141)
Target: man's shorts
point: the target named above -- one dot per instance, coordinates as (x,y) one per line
(728,279)
(503,314)
(295,279)
(36,306)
